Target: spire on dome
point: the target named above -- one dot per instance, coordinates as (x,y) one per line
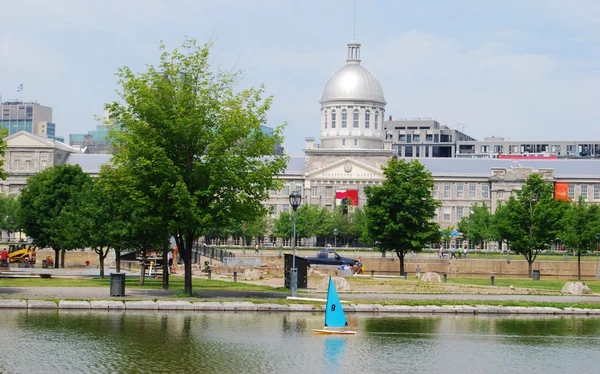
(353,52)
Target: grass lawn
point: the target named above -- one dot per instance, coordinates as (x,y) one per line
(176,282)
(542,284)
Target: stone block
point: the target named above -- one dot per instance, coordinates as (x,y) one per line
(303,308)
(239,306)
(174,305)
(141,305)
(397,309)
(42,304)
(70,304)
(13,304)
(363,308)
(107,304)
(272,308)
(208,306)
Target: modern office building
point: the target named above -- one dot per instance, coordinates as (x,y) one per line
(28,116)
(94,142)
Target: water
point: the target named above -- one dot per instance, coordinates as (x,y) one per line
(178,342)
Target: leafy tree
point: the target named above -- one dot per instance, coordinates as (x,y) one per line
(361,225)
(259,226)
(401,210)
(309,219)
(532,219)
(581,225)
(9,210)
(478,225)
(446,235)
(42,203)
(283,225)
(197,143)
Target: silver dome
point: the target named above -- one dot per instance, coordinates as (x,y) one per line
(353,81)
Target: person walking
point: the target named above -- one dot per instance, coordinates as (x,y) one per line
(452,252)
(465,251)
(418,271)
(257,248)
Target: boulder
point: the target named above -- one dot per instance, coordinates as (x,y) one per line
(431,277)
(252,274)
(341,284)
(576,288)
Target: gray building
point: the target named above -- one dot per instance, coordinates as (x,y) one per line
(498,147)
(28,116)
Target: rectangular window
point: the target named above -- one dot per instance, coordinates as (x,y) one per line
(472,191)
(485,191)
(16,165)
(447,213)
(460,191)
(434,192)
(584,191)
(286,208)
(355,119)
(401,138)
(571,191)
(298,188)
(315,192)
(27,165)
(459,212)
(333,119)
(500,195)
(355,141)
(408,151)
(286,190)
(344,119)
(328,191)
(376,120)
(343,141)
(416,137)
(446,191)
(597,192)
(367,119)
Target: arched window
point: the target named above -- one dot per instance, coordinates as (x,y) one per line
(355,119)
(325,116)
(367,119)
(344,118)
(376,119)
(333,119)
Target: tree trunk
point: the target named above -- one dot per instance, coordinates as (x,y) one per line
(143,267)
(530,265)
(118,260)
(56,257)
(578,265)
(185,251)
(62,258)
(101,258)
(400,255)
(166,270)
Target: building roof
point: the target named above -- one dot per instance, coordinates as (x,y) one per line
(295,165)
(44,140)
(453,167)
(353,81)
(90,163)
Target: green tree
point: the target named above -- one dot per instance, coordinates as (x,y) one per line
(199,144)
(362,227)
(309,219)
(9,210)
(283,225)
(401,210)
(532,220)
(42,203)
(477,226)
(581,225)
(259,226)
(446,235)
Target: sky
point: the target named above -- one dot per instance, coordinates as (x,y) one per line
(524,70)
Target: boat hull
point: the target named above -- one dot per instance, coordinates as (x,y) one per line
(333,332)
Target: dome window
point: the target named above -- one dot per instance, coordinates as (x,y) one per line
(344,118)
(376,119)
(325,116)
(355,119)
(343,141)
(367,119)
(355,141)
(333,119)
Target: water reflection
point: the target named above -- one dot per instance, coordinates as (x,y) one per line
(138,342)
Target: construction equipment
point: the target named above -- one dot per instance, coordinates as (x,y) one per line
(18,253)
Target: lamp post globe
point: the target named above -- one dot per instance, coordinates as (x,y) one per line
(295,200)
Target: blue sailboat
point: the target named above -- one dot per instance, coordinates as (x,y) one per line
(335,319)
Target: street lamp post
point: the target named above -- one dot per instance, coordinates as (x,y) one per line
(335,234)
(597,247)
(295,199)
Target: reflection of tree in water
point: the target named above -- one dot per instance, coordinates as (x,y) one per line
(404,325)
(293,324)
(541,326)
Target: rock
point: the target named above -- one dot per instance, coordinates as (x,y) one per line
(252,274)
(341,284)
(576,288)
(431,277)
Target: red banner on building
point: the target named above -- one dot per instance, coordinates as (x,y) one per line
(561,191)
(346,197)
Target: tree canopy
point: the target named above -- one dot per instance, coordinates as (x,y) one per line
(193,145)
(401,210)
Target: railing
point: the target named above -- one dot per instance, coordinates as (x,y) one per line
(201,249)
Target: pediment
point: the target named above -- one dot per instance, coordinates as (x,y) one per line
(347,169)
(24,139)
